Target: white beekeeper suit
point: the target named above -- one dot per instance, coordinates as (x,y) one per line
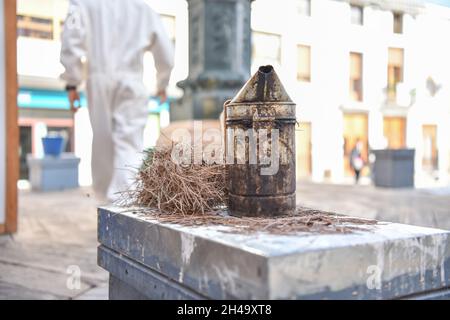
(112,37)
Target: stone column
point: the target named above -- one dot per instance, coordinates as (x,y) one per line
(219,57)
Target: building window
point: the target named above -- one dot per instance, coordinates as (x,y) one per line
(169,23)
(430,150)
(356,64)
(303,63)
(398,22)
(395,132)
(356,15)
(395,71)
(266,48)
(304,7)
(34,27)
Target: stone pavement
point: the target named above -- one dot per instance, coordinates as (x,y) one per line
(57,238)
(58,234)
(421,207)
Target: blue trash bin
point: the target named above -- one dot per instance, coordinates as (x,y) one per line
(53,146)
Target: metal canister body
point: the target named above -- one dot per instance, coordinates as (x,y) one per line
(260,121)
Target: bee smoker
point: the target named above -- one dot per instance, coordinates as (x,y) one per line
(260,147)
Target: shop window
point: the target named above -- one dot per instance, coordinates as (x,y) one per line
(394,130)
(25,148)
(430,150)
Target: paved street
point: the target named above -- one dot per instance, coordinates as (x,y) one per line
(57,234)
(422,207)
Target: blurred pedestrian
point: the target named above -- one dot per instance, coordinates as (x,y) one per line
(110,37)
(356,160)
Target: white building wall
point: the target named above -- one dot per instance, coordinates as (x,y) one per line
(2,118)
(332,37)
(39,58)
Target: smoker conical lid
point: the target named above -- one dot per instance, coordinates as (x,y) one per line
(263,86)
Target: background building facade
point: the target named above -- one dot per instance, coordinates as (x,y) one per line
(359,71)
(375,71)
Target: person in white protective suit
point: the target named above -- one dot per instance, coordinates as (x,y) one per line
(111,37)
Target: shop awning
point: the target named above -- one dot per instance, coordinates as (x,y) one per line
(45,99)
(54,99)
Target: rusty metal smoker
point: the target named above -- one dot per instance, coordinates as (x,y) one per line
(260,124)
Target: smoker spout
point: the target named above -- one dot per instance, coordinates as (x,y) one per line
(263,86)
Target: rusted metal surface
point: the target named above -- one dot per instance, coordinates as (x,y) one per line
(260,124)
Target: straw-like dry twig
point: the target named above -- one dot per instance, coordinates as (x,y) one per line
(304,220)
(175,188)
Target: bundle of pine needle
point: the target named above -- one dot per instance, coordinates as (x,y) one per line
(175,188)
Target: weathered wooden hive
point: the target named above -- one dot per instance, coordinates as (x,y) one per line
(260,147)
